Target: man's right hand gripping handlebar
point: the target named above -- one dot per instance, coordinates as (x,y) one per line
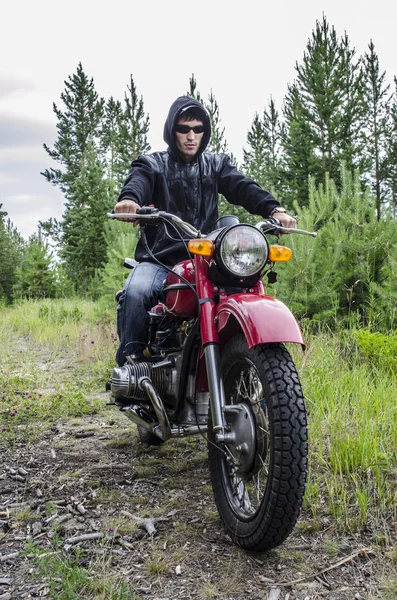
(127,205)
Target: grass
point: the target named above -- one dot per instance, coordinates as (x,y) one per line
(67,579)
(122,525)
(56,353)
(353,433)
(156,565)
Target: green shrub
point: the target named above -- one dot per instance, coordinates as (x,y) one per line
(379,350)
(346,276)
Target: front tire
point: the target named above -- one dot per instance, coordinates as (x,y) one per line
(259,496)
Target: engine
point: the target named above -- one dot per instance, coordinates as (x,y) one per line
(167,339)
(125,380)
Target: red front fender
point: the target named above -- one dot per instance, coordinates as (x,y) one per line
(261,318)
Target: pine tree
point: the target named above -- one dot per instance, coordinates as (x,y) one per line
(35,278)
(273,135)
(83,246)
(217,142)
(324,111)
(111,142)
(254,164)
(123,136)
(192,89)
(262,160)
(391,153)
(121,239)
(134,128)
(376,100)
(77,126)
(12,247)
(319,80)
(299,159)
(352,109)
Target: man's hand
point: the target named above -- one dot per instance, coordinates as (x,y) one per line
(127,205)
(286,220)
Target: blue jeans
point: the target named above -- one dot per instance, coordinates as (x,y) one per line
(141,292)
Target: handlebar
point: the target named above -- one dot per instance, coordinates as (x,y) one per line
(152,214)
(273,226)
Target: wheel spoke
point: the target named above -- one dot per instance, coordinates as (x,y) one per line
(248,490)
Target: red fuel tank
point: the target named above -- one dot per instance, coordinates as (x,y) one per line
(179,297)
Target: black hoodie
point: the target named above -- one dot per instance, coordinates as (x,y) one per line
(188,190)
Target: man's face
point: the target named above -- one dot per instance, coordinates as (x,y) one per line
(189,143)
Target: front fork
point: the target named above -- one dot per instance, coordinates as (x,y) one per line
(209,336)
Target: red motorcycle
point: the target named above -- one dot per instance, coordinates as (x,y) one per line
(217,365)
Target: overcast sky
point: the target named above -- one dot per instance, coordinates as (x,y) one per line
(245,51)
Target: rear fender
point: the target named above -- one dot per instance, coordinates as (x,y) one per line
(262,319)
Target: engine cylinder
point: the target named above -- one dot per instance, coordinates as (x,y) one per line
(124,382)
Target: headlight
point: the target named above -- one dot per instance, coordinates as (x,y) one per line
(241,251)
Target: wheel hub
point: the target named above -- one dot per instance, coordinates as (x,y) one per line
(243,427)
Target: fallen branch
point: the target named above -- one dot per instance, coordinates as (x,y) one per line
(7,557)
(330,568)
(62,518)
(84,538)
(110,466)
(147,523)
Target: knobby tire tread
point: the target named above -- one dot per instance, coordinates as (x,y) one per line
(283,498)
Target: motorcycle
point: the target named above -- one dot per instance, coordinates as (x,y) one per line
(216,365)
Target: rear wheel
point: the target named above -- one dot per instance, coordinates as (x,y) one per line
(259,479)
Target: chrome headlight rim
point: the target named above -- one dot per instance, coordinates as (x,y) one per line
(218,253)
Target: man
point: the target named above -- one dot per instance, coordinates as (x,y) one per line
(184,181)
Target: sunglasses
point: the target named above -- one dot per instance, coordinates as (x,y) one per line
(187,128)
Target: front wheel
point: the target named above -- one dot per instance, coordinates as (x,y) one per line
(259,479)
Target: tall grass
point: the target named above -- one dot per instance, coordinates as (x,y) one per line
(353,432)
(58,323)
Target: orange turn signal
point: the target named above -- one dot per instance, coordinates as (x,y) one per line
(279,253)
(201,247)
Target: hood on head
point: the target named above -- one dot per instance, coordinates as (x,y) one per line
(176,110)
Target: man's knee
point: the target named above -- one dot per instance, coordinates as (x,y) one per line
(137,294)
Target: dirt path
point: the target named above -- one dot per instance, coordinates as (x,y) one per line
(77,508)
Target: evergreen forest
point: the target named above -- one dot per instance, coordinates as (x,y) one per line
(328,153)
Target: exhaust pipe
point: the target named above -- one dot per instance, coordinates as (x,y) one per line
(146,385)
(137,413)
